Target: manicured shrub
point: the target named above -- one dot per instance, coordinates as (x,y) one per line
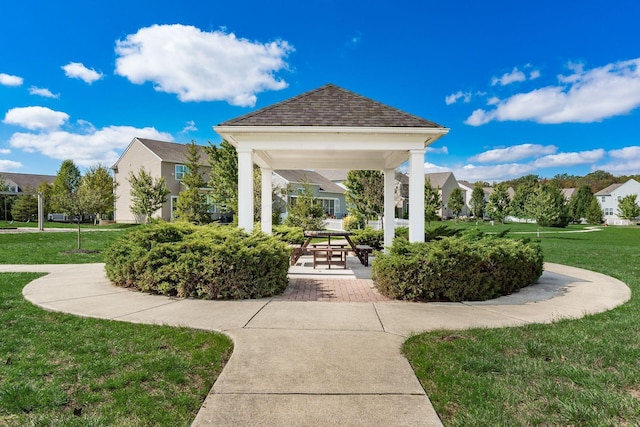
(210,262)
(461,268)
(369,236)
(292,235)
(434,233)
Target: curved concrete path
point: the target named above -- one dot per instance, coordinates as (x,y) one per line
(320,363)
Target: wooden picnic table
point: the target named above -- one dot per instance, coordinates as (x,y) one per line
(361,252)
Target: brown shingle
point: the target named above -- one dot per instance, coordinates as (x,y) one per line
(170,151)
(330,105)
(301,176)
(27,182)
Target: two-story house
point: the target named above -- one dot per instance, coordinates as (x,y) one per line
(610,197)
(330,194)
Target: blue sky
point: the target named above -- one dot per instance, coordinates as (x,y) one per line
(526,87)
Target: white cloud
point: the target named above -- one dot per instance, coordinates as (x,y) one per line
(85,149)
(202,66)
(77,70)
(42,92)
(35,118)
(190,127)
(570,159)
(454,97)
(583,97)
(508,78)
(471,172)
(632,152)
(9,80)
(9,165)
(5,151)
(432,168)
(534,74)
(442,150)
(625,161)
(513,153)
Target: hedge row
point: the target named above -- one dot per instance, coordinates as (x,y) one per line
(467,268)
(210,262)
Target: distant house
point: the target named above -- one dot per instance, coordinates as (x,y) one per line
(24,182)
(337,176)
(610,197)
(568,193)
(162,160)
(445,182)
(330,194)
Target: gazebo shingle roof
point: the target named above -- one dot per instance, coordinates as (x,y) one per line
(330,105)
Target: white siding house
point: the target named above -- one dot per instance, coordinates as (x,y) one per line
(610,197)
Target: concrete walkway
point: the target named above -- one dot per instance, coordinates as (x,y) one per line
(311,357)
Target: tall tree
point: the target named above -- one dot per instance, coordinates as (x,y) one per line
(25,207)
(518,204)
(223,178)
(548,207)
(66,196)
(498,205)
(432,202)
(365,193)
(594,212)
(304,210)
(192,203)
(477,202)
(148,194)
(98,190)
(5,207)
(456,202)
(579,203)
(628,207)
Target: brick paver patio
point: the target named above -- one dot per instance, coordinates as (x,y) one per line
(331,290)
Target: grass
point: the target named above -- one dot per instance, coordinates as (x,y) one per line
(571,372)
(53,247)
(58,369)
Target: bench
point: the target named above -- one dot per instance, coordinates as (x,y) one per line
(363,252)
(324,255)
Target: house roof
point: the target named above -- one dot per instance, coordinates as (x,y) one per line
(170,151)
(438,179)
(26,181)
(608,190)
(568,192)
(330,105)
(300,176)
(334,174)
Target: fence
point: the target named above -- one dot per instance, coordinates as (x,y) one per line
(336,224)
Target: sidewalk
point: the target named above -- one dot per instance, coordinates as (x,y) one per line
(301,359)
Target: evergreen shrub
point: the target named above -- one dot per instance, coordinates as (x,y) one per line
(209,262)
(369,236)
(459,268)
(292,235)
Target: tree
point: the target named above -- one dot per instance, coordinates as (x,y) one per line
(192,203)
(66,196)
(594,212)
(628,207)
(518,204)
(477,202)
(547,206)
(98,190)
(579,203)
(432,202)
(25,207)
(365,193)
(147,194)
(499,201)
(304,210)
(45,189)
(456,202)
(5,207)
(223,178)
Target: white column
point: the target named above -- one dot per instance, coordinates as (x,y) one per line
(245,189)
(266,219)
(416,195)
(389,206)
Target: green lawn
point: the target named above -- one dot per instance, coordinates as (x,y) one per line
(578,372)
(58,369)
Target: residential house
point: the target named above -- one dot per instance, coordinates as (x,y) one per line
(445,182)
(20,183)
(568,193)
(330,194)
(162,160)
(610,197)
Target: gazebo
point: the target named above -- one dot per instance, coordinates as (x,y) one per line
(331,128)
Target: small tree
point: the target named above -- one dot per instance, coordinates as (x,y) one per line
(365,193)
(594,212)
(498,205)
(25,207)
(223,178)
(579,203)
(66,195)
(147,194)
(432,202)
(628,207)
(98,191)
(518,204)
(304,210)
(547,206)
(456,202)
(192,203)
(477,202)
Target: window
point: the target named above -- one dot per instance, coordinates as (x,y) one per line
(608,211)
(174,204)
(603,199)
(180,171)
(329,206)
(619,198)
(300,190)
